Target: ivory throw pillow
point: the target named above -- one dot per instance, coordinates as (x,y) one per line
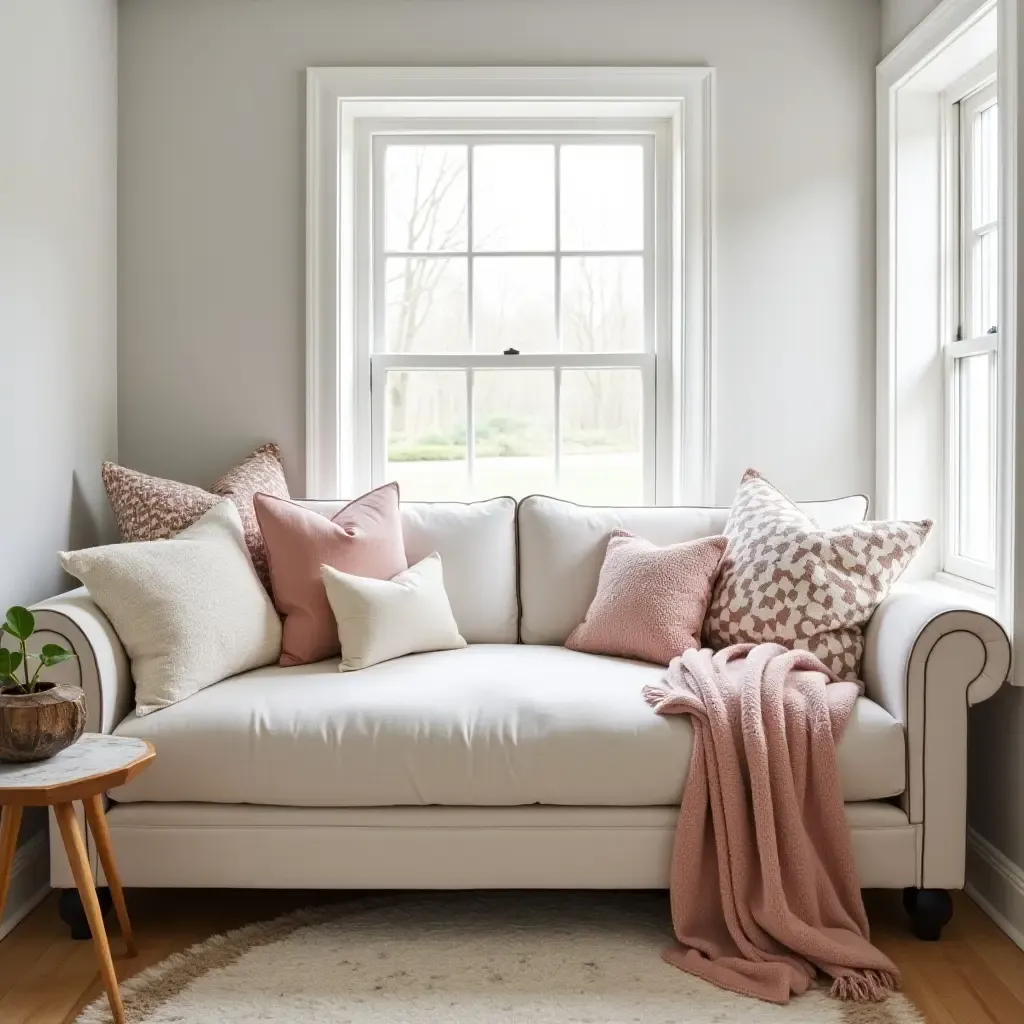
(650,600)
(383,619)
(362,539)
(189,610)
(786,580)
(151,508)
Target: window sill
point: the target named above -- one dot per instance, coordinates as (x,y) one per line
(972,595)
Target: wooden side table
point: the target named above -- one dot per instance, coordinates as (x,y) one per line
(85,771)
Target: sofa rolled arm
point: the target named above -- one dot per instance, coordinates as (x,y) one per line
(101,666)
(928,657)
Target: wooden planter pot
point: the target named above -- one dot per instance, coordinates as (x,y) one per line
(36,726)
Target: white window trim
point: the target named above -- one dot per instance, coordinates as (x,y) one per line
(341,102)
(913,306)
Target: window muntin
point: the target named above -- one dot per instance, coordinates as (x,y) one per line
(970,358)
(540,246)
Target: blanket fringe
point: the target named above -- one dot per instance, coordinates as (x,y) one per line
(658,693)
(864,986)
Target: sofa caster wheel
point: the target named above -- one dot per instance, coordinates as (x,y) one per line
(72,913)
(930,911)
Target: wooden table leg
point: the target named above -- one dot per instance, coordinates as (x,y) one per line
(97,819)
(10,822)
(74,844)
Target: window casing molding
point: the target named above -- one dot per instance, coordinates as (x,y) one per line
(346,106)
(916,312)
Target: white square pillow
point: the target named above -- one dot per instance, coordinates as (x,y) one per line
(383,619)
(190,611)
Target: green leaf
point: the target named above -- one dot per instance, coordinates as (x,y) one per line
(54,654)
(21,623)
(5,662)
(15,660)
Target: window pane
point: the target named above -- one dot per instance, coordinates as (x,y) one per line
(974,420)
(602,437)
(985,170)
(513,198)
(514,303)
(425,190)
(602,197)
(426,433)
(603,303)
(514,432)
(985,282)
(426,304)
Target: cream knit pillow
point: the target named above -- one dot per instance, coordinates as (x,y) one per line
(190,611)
(383,619)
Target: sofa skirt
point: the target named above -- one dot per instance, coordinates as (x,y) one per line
(245,846)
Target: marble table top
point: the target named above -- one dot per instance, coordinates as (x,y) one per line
(93,754)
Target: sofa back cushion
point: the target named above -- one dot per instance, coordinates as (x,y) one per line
(562,546)
(477,545)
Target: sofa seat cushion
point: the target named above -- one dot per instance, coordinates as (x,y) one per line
(487,725)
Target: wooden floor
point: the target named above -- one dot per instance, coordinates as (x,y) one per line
(975,975)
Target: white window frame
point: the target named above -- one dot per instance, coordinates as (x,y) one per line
(346,107)
(916,314)
(975,91)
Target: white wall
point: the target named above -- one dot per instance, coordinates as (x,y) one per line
(212,205)
(900,16)
(58,267)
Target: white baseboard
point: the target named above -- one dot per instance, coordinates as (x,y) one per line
(30,881)
(996,884)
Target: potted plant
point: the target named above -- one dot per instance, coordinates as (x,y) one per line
(37,718)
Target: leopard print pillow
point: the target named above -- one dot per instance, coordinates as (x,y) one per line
(151,508)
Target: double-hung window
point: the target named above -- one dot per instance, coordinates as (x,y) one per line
(947,297)
(970,356)
(514,338)
(509,283)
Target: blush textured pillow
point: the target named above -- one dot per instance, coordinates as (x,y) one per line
(189,610)
(151,508)
(786,580)
(383,619)
(650,600)
(363,539)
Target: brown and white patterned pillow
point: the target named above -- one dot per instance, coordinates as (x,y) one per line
(786,580)
(151,508)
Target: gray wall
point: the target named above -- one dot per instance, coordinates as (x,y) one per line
(997,726)
(900,16)
(58,286)
(58,267)
(212,129)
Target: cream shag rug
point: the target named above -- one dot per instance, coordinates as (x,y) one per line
(471,958)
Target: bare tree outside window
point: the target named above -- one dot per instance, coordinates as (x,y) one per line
(576,430)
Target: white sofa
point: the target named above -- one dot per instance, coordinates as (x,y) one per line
(513,762)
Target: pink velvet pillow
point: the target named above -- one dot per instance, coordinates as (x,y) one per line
(650,601)
(363,539)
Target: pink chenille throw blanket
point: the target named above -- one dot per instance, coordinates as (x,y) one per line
(764,885)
